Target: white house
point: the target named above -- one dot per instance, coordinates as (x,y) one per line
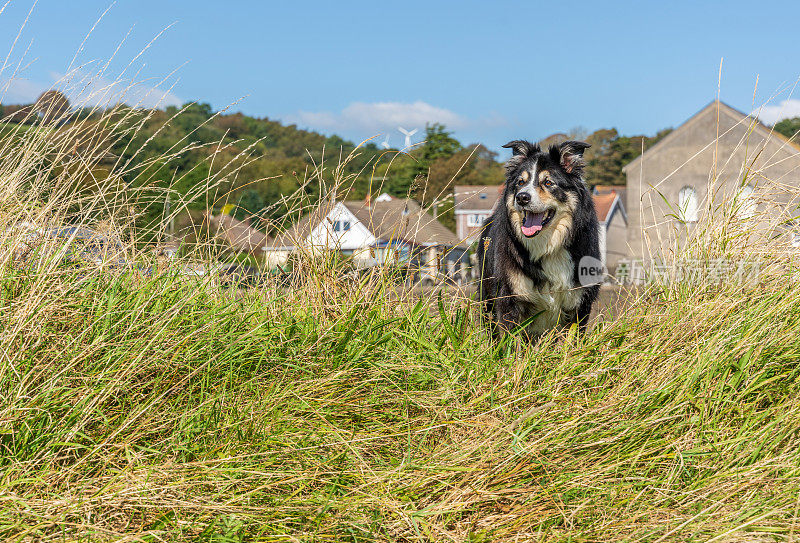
(373,232)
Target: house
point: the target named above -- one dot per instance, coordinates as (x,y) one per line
(621,190)
(70,244)
(237,235)
(374,232)
(608,204)
(720,160)
(472,205)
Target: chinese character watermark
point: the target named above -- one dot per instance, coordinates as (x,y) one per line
(694,271)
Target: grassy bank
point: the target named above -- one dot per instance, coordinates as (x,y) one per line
(156,409)
(151,407)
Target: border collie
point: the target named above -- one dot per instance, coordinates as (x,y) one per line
(531,247)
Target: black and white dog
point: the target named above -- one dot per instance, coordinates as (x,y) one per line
(531,247)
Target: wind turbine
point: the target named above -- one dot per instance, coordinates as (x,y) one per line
(408,134)
(385,143)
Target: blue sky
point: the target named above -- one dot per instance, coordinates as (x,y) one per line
(491,71)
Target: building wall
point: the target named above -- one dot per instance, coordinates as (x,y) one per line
(469,234)
(691,156)
(325,237)
(616,241)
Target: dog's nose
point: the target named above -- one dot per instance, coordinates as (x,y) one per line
(523,198)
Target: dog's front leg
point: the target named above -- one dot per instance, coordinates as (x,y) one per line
(585,308)
(508,313)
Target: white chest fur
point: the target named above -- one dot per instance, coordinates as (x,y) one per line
(555,296)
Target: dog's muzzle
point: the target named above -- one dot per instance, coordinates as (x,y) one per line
(535,215)
(534,221)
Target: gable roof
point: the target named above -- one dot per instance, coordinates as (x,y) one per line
(393,219)
(476,197)
(238,234)
(402,219)
(724,109)
(605,204)
(299,231)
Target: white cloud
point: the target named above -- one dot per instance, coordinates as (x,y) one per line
(89,90)
(20,91)
(369,119)
(783,110)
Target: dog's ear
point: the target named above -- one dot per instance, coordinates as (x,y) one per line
(572,156)
(521,147)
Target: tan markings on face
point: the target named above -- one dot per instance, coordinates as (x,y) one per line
(525,175)
(513,214)
(554,235)
(546,197)
(544,176)
(572,202)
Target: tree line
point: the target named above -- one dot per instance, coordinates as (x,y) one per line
(268,160)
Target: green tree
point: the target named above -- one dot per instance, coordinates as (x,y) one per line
(439,143)
(602,168)
(788,127)
(610,152)
(250,203)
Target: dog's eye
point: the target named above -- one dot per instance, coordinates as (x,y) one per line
(520,181)
(547,183)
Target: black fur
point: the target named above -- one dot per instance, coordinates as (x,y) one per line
(501,251)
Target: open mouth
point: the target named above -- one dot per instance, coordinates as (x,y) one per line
(532,223)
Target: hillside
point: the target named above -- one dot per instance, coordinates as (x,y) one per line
(266,170)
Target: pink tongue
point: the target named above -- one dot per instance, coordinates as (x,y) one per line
(532,223)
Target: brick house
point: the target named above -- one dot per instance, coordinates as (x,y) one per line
(472,205)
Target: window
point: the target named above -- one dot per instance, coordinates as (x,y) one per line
(687,204)
(745,203)
(341,226)
(475,219)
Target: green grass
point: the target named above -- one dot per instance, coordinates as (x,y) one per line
(16,130)
(159,409)
(164,408)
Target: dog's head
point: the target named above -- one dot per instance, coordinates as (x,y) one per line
(542,186)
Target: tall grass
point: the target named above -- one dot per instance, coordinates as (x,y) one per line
(156,409)
(151,406)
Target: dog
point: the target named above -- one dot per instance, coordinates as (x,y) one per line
(532,249)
